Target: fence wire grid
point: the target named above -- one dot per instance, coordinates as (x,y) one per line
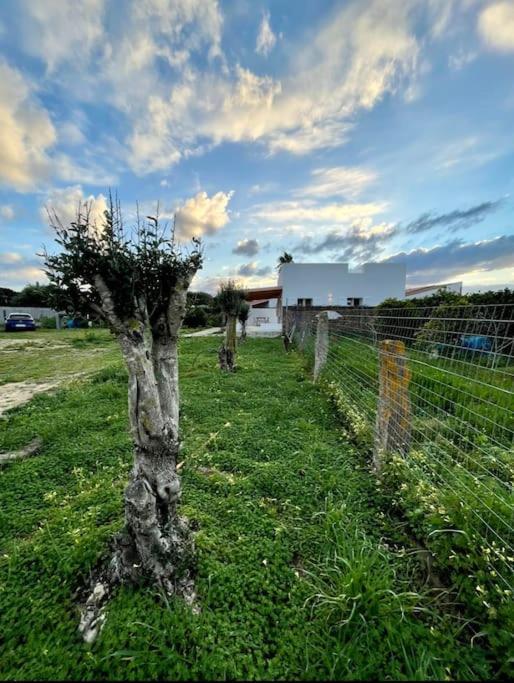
(460,457)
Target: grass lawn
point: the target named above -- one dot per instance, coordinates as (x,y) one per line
(54,354)
(294,576)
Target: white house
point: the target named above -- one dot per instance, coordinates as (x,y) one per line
(265,310)
(334,284)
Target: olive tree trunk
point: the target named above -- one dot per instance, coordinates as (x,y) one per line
(155,544)
(227,353)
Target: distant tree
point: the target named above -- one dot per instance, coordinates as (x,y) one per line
(7,296)
(496,297)
(196,316)
(284,258)
(138,287)
(199,299)
(229,299)
(244,312)
(36,295)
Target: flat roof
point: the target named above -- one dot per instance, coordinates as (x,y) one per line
(258,293)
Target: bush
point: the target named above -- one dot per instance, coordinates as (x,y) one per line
(195,317)
(214,320)
(47,322)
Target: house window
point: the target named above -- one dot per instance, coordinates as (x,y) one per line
(354,301)
(304,302)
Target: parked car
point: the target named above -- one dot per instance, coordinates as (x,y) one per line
(18,322)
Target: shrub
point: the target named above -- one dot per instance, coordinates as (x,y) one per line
(195,317)
(47,322)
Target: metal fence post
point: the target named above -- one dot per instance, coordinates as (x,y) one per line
(321,345)
(393,428)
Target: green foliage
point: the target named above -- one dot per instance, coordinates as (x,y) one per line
(33,295)
(200,299)
(195,317)
(244,311)
(141,274)
(48,322)
(284,258)
(295,580)
(229,298)
(455,486)
(6,296)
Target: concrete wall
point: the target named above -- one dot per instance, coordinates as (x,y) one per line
(330,284)
(36,313)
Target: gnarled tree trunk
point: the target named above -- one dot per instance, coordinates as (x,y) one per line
(156,543)
(227,353)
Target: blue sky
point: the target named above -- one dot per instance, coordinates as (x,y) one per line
(354,131)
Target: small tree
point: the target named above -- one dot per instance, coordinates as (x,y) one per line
(229,299)
(138,287)
(244,312)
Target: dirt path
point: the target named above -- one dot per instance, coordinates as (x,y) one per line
(16,394)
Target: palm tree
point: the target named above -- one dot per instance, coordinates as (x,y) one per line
(284,258)
(229,299)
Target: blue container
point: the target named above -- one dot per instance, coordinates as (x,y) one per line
(476,342)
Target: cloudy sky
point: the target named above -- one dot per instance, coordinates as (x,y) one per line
(348,130)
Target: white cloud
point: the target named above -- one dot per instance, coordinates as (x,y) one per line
(248,247)
(253,269)
(364,51)
(6,212)
(57,31)
(461,58)
(26,132)
(266,39)
(496,26)
(452,260)
(311,211)
(17,276)
(65,202)
(468,152)
(10,257)
(84,171)
(71,133)
(342,181)
(202,215)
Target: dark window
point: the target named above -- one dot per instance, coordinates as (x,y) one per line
(354,301)
(304,302)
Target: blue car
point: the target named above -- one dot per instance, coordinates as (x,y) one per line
(19,322)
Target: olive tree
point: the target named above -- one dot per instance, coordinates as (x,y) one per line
(137,283)
(244,312)
(229,299)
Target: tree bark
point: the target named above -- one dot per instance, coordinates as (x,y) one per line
(227,353)
(156,543)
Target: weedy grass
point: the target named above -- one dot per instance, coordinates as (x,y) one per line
(453,490)
(294,577)
(50,354)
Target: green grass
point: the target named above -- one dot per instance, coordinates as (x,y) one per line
(50,354)
(294,577)
(453,490)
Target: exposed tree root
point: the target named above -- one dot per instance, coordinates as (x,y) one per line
(156,548)
(30,449)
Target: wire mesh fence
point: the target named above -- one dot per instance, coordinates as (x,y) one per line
(450,416)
